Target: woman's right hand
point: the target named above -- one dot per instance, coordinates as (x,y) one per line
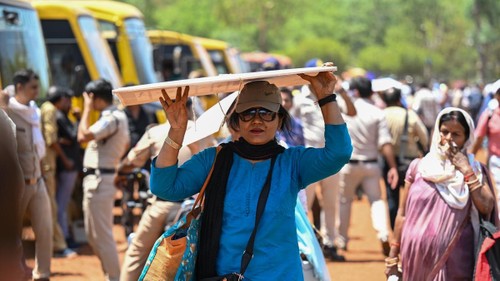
(175,110)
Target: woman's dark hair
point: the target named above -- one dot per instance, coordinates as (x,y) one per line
(286,124)
(457,116)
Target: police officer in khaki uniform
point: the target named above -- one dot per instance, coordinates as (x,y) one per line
(49,111)
(108,141)
(30,150)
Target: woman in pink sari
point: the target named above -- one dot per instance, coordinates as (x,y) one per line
(445,193)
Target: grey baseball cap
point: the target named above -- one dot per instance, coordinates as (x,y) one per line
(259,94)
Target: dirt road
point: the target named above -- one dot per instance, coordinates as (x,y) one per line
(364,258)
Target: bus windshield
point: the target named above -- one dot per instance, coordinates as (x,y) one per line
(98,49)
(218,61)
(141,50)
(22,45)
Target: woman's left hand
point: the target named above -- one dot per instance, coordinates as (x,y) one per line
(323,83)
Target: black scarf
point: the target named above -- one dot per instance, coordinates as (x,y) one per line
(211,222)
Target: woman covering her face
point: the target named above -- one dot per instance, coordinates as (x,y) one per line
(445,193)
(242,169)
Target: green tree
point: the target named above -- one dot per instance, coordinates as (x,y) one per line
(322,48)
(425,38)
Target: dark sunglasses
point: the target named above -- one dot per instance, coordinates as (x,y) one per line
(264,114)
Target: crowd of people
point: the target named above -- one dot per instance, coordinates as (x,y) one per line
(327,143)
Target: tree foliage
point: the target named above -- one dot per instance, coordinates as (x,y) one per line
(446,39)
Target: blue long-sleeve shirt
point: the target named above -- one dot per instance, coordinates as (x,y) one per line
(276,253)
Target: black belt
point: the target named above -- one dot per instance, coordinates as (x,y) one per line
(355,161)
(102,171)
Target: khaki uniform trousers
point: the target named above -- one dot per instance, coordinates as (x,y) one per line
(329,189)
(98,202)
(59,242)
(35,200)
(368,175)
(151,226)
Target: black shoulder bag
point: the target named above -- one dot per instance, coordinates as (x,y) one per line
(403,162)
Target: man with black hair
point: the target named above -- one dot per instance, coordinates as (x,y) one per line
(307,110)
(49,109)
(139,118)
(369,135)
(426,105)
(66,174)
(108,140)
(24,113)
(404,141)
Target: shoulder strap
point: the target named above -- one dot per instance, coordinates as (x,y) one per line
(404,139)
(201,195)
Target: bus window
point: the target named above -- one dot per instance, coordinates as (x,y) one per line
(98,50)
(110,32)
(141,50)
(218,60)
(22,45)
(66,60)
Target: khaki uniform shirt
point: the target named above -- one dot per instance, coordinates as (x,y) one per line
(306,109)
(151,143)
(26,150)
(49,131)
(368,130)
(395,117)
(111,140)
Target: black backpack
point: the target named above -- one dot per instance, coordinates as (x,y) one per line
(488,255)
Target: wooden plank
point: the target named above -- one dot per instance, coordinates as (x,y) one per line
(225,83)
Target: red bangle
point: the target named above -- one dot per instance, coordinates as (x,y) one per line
(395,244)
(468,176)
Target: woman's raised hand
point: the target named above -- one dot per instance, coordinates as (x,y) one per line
(175,110)
(323,83)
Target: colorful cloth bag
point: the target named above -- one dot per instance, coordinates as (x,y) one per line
(173,256)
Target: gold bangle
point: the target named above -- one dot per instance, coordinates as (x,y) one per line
(477,186)
(472,182)
(389,262)
(172,143)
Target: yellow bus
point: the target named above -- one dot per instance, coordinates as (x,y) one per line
(21,43)
(256,59)
(122,26)
(220,55)
(176,55)
(76,50)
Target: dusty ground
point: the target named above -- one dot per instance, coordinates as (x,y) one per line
(364,258)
